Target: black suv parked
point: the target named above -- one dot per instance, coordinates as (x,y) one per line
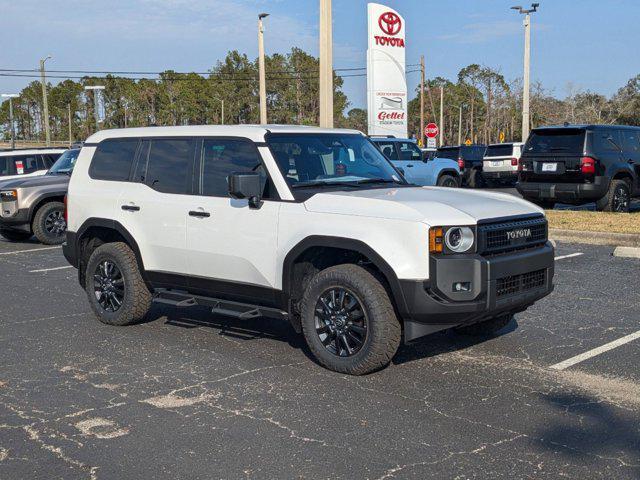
(469,158)
(578,164)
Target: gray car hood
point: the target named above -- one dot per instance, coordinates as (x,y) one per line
(35,182)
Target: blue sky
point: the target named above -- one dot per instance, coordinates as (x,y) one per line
(592,45)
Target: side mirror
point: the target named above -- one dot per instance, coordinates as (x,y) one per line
(246,185)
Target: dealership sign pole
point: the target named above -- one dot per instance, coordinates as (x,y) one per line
(386,72)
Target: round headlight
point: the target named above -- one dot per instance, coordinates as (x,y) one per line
(459,239)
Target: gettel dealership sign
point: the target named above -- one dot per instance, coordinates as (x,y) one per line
(386,77)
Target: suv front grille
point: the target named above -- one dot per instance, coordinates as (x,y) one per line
(511,235)
(520,283)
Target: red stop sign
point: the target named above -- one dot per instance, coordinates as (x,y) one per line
(431,130)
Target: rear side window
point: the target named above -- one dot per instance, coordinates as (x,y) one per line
(631,141)
(7,166)
(221,158)
(113,159)
(388,149)
(170,165)
(556,141)
(26,164)
(606,141)
(505,150)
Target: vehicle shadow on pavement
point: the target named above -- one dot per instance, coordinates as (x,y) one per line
(603,430)
(443,342)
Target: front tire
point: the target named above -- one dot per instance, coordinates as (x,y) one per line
(485,328)
(49,225)
(15,235)
(348,320)
(115,288)
(617,199)
(448,181)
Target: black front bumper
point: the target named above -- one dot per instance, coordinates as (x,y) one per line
(500,284)
(564,192)
(20,221)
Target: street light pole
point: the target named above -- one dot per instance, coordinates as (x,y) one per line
(96,103)
(460,126)
(222,108)
(526,122)
(69,118)
(45,102)
(422,74)
(11,96)
(326,65)
(441,116)
(263,81)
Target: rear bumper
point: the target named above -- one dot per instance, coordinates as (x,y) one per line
(502,284)
(565,192)
(20,220)
(502,175)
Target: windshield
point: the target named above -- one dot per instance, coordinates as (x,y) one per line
(64,165)
(561,140)
(310,159)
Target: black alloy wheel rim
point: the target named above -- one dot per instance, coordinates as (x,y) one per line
(55,223)
(449,182)
(341,322)
(620,200)
(108,286)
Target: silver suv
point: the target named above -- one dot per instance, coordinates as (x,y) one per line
(35,206)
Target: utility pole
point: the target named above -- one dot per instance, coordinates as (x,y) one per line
(263,80)
(69,117)
(527,66)
(422,75)
(441,126)
(96,103)
(11,96)
(460,126)
(326,65)
(45,102)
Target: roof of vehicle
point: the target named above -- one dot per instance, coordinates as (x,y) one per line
(28,151)
(377,138)
(589,126)
(504,144)
(253,132)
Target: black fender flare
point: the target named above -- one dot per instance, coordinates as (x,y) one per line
(41,198)
(346,244)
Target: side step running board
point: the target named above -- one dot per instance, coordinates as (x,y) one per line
(243,311)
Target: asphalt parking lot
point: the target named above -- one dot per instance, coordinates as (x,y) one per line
(191,395)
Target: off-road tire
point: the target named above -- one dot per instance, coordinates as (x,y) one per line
(485,328)
(475,179)
(39,227)
(137,298)
(448,181)
(383,328)
(608,202)
(15,235)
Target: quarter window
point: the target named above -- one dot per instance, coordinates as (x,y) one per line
(113,159)
(170,165)
(222,157)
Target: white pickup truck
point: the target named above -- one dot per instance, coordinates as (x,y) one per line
(315,226)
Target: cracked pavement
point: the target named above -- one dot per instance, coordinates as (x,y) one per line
(190,395)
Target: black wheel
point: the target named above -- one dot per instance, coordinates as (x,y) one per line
(115,288)
(486,328)
(448,181)
(16,235)
(546,204)
(348,320)
(475,179)
(49,225)
(617,199)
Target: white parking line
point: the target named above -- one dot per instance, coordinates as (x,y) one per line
(50,269)
(596,351)
(27,251)
(571,255)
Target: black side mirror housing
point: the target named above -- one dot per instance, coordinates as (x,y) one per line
(246,185)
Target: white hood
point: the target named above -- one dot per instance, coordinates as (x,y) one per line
(432,205)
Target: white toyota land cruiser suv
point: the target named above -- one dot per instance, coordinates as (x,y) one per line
(302,223)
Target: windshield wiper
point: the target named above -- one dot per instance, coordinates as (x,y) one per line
(351,183)
(375,180)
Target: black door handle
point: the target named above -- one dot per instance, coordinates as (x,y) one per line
(199,214)
(130,208)
(409,166)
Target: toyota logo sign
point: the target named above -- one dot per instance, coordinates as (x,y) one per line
(390,23)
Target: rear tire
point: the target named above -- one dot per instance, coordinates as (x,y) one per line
(617,199)
(115,288)
(448,181)
(370,329)
(15,235)
(486,328)
(475,179)
(49,225)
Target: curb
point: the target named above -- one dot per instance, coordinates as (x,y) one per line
(595,238)
(627,252)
